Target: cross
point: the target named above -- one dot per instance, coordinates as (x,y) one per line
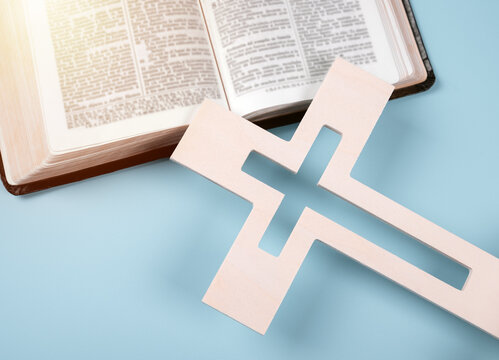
(251,283)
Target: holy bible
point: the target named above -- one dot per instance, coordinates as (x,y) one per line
(92,86)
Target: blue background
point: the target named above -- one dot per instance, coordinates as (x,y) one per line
(115,267)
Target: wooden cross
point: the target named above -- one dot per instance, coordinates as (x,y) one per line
(251,283)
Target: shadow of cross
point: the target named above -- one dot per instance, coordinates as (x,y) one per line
(251,284)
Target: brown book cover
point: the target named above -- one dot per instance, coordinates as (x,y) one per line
(166,151)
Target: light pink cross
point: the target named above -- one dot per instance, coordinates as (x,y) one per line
(251,284)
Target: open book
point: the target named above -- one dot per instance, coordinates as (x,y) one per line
(90,86)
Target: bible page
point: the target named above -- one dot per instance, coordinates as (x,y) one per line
(275,52)
(114,69)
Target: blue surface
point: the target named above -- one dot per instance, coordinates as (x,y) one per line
(115,267)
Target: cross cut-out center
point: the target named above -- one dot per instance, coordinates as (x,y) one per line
(301,190)
(293,186)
